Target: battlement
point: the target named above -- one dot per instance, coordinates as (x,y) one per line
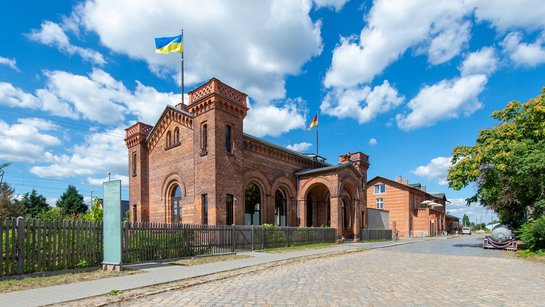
(215,86)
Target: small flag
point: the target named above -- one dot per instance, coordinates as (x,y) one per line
(169,44)
(313,123)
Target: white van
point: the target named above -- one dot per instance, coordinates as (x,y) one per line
(466,230)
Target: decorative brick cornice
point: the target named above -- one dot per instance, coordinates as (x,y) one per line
(137,134)
(169,115)
(278,154)
(216,95)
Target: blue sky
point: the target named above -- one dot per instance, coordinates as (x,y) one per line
(402,81)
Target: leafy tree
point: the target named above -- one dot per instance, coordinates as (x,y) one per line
(465,220)
(95,212)
(52,213)
(71,202)
(9,206)
(34,203)
(507,163)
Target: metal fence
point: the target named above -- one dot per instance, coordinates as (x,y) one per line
(31,245)
(376,234)
(34,246)
(157,241)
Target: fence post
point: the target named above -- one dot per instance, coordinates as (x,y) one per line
(253,233)
(233,238)
(262,237)
(20,222)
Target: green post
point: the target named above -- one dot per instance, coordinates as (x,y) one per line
(112,225)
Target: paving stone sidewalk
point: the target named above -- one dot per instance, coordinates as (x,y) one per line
(157,273)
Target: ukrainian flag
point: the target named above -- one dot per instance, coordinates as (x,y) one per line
(169,44)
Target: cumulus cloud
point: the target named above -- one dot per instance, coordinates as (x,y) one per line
(372,141)
(361,103)
(446,99)
(99,181)
(52,34)
(97,97)
(335,4)
(483,61)
(101,152)
(524,54)
(300,147)
(393,27)
(505,15)
(252,46)
(12,63)
(27,140)
(274,120)
(436,169)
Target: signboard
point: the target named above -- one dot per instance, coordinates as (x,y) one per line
(112,224)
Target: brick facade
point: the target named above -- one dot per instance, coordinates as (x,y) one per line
(201,149)
(412,210)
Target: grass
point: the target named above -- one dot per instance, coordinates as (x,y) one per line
(275,250)
(205,260)
(115,292)
(538,256)
(32,282)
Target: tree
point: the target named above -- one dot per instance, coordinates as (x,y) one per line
(507,163)
(465,220)
(95,212)
(34,203)
(71,202)
(9,206)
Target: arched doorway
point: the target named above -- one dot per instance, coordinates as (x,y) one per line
(280,208)
(347,218)
(252,205)
(176,204)
(318,208)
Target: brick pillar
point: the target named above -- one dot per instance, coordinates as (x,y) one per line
(336,216)
(302,212)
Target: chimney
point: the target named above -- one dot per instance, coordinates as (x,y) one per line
(399,179)
(423,188)
(405,182)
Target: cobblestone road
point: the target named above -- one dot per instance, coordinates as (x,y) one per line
(377,277)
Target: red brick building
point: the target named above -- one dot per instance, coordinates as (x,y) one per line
(196,166)
(413,211)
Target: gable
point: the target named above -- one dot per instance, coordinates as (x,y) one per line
(169,116)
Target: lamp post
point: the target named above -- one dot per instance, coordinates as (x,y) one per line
(109,176)
(91,197)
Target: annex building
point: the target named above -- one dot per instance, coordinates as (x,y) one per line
(196,166)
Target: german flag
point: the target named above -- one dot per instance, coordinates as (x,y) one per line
(313,123)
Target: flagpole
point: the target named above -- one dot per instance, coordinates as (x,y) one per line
(318,125)
(182,71)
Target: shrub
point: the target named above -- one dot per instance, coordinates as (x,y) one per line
(533,234)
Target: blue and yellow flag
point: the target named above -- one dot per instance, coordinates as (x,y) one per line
(169,44)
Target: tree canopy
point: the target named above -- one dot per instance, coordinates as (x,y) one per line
(71,202)
(507,163)
(34,203)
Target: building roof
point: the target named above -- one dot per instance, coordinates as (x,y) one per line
(452,217)
(414,186)
(326,169)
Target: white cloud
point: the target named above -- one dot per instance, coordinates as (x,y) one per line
(300,147)
(100,181)
(12,63)
(475,212)
(524,54)
(26,140)
(52,34)
(393,27)
(436,169)
(361,103)
(505,15)
(336,4)
(483,61)
(372,141)
(16,97)
(446,99)
(274,120)
(252,46)
(101,152)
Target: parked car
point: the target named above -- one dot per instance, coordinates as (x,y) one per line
(466,230)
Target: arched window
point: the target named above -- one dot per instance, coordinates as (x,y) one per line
(252,204)
(176,136)
(134,164)
(280,208)
(169,139)
(176,202)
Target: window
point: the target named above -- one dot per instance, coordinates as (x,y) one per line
(204,139)
(176,136)
(252,205)
(228,146)
(204,201)
(176,204)
(380,188)
(134,164)
(229,209)
(169,139)
(280,208)
(380,203)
